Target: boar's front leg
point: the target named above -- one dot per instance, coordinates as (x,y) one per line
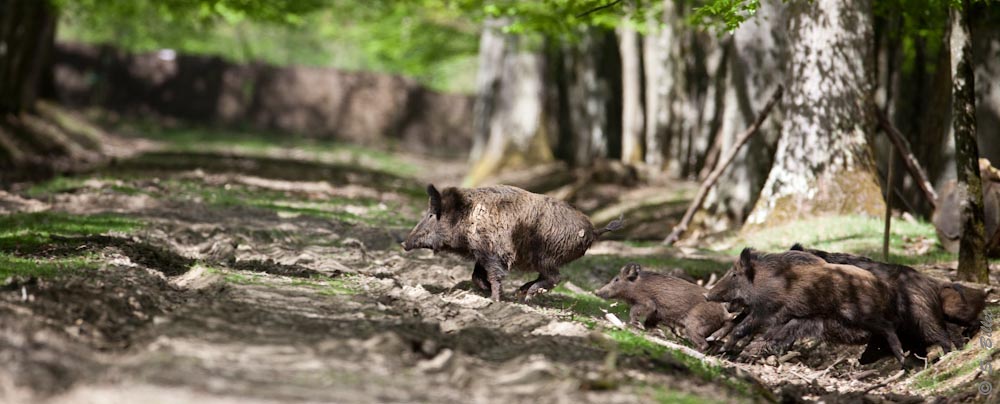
(496,270)
(480,279)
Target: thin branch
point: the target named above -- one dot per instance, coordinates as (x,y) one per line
(594,10)
(912,165)
(720,167)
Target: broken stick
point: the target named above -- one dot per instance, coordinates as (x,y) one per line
(721,166)
(911,163)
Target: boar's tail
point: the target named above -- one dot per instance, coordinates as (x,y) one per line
(614,225)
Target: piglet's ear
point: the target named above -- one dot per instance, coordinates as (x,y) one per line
(435,199)
(747,257)
(631,272)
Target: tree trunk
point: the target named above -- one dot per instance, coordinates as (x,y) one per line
(27,28)
(632,119)
(972,264)
(823,163)
(516,135)
(660,77)
(756,67)
(593,97)
(984,21)
(491,56)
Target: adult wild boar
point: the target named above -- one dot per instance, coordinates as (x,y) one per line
(793,288)
(924,304)
(658,298)
(505,228)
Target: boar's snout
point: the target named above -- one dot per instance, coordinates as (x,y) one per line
(603,292)
(406,246)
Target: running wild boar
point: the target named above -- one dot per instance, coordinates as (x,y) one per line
(785,291)
(924,304)
(505,228)
(658,298)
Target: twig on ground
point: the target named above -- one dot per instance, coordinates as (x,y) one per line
(886,381)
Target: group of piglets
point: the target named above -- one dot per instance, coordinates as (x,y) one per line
(779,297)
(783,297)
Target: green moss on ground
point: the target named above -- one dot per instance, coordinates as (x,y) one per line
(254,142)
(30,231)
(11,266)
(852,234)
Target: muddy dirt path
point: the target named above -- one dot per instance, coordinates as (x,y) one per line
(223,295)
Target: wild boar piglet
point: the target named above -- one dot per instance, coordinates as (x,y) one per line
(656,299)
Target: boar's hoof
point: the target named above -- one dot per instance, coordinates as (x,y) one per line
(531,293)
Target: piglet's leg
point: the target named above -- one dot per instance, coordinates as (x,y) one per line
(639,312)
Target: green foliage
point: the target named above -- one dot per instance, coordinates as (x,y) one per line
(727,14)
(433,41)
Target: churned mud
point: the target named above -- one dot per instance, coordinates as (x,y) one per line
(208,277)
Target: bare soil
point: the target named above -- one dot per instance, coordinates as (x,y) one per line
(231,302)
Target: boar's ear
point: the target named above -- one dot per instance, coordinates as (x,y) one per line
(631,271)
(746,261)
(797,247)
(435,199)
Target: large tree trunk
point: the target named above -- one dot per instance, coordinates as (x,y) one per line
(593,115)
(972,264)
(823,163)
(491,55)
(632,119)
(756,67)
(27,28)
(660,77)
(515,136)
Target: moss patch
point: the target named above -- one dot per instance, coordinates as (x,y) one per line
(255,142)
(584,304)
(11,266)
(853,234)
(29,231)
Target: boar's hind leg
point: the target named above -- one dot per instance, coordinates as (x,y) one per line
(546,281)
(480,279)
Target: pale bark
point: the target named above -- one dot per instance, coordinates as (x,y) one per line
(632,114)
(659,71)
(756,67)
(592,97)
(516,137)
(491,56)
(972,265)
(823,163)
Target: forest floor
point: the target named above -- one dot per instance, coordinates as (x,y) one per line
(226,267)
